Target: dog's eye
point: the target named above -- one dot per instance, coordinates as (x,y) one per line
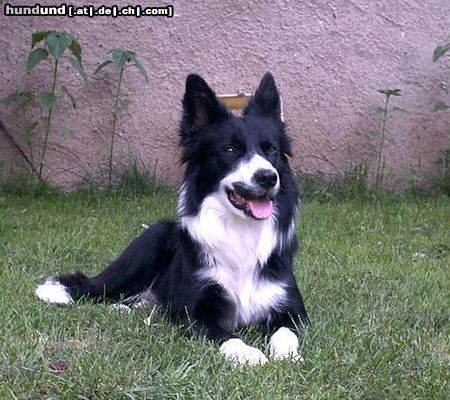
(271,149)
(268,148)
(230,149)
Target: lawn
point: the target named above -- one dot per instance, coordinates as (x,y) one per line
(375,276)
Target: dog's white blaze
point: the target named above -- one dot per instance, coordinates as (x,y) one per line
(284,344)
(234,249)
(52,291)
(246,169)
(239,353)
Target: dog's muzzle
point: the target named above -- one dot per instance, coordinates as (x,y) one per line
(256,199)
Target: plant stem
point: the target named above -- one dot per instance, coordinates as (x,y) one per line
(49,117)
(113,133)
(380,151)
(19,149)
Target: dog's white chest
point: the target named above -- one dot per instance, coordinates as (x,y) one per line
(254,297)
(234,250)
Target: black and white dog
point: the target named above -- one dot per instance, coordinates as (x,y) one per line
(226,262)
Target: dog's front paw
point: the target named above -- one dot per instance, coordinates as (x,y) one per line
(284,345)
(236,351)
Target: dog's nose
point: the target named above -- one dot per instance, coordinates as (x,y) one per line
(265,178)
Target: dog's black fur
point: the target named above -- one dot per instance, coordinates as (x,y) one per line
(168,261)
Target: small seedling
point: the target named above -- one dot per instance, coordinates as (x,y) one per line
(54,44)
(120,60)
(384,110)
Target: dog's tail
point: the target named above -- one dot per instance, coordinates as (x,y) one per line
(132,273)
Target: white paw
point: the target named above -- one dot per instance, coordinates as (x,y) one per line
(284,345)
(236,351)
(52,291)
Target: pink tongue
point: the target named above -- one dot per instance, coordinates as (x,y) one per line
(260,208)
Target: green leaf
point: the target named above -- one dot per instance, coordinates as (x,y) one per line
(75,48)
(30,128)
(120,57)
(2,163)
(69,95)
(11,98)
(404,110)
(47,100)
(27,99)
(390,92)
(121,107)
(380,110)
(22,99)
(441,106)
(66,132)
(57,43)
(79,68)
(440,51)
(102,65)
(35,57)
(141,69)
(36,37)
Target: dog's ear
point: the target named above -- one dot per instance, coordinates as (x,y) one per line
(266,100)
(200,105)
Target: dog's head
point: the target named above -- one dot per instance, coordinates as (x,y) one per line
(241,160)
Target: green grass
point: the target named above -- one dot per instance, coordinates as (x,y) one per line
(375,276)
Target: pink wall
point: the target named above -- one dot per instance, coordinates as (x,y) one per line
(328,58)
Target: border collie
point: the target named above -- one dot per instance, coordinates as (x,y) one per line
(226,262)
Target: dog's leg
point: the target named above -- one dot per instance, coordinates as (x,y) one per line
(212,311)
(133,272)
(231,347)
(284,343)
(239,353)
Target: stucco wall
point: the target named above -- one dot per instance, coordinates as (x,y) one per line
(328,58)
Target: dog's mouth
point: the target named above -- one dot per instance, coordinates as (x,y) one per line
(258,207)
